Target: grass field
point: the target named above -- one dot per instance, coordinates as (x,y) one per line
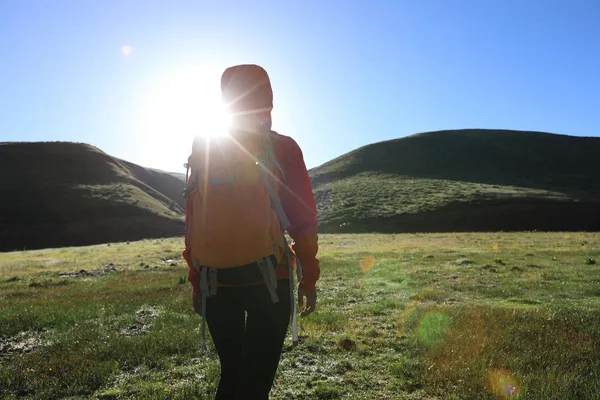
(412,316)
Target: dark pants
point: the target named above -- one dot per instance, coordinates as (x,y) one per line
(249,347)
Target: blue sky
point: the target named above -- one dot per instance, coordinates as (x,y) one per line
(345,73)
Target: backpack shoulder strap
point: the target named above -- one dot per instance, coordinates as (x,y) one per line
(270,154)
(265,164)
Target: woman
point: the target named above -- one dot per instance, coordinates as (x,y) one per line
(246,301)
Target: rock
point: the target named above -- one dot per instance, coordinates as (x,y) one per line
(464,261)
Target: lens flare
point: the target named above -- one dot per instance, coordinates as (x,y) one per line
(502,383)
(126,50)
(367,263)
(434,328)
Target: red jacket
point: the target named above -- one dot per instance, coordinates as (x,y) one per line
(299,204)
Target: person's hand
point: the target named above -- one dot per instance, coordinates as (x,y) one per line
(311,300)
(197,302)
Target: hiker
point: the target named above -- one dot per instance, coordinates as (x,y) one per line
(245,190)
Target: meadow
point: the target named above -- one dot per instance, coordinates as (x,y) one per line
(406,316)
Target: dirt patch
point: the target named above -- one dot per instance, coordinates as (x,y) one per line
(525,301)
(143,321)
(534,266)
(346,344)
(22,343)
(109,269)
(464,261)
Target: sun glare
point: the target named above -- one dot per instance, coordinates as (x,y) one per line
(183,104)
(188,102)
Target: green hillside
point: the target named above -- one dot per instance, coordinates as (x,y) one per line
(57,194)
(464,180)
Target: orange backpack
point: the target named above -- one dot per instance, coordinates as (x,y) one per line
(231,219)
(234,216)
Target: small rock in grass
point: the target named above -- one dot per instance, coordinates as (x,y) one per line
(464,261)
(534,266)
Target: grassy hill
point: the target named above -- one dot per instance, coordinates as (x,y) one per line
(463,180)
(57,194)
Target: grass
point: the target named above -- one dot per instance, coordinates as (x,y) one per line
(370,195)
(418,316)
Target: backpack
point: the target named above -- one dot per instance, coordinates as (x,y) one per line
(234,216)
(233,213)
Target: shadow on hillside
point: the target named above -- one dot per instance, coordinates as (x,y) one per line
(66,194)
(484,216)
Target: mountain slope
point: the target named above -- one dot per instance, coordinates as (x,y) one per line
(463,180)
(62,194)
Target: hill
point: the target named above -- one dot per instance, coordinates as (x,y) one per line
(463,180)
(58,194)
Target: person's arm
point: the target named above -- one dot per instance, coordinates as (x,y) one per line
(193,276)
(299,204)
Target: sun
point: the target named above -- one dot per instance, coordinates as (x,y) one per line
(188,103)
(176,107)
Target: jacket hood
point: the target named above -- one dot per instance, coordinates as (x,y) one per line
(248,96)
